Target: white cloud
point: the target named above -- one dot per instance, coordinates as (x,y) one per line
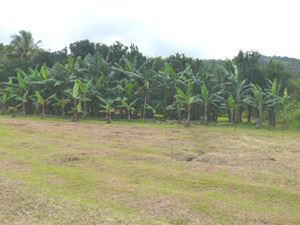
(204,29)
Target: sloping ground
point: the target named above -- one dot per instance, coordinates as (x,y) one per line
(128,173)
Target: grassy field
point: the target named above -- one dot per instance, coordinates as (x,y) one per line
(58,172)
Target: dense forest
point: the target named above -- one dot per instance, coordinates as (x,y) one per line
(98,80)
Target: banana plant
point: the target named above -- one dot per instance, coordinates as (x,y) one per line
(6,94)
(142,73)
(75,98)
(107,107)
(85,87)
(129,107)
(61,103)
(13,109)
(23,99)
(176,106)
(43,102)
(61,76)
(207,98)
(153,110)
(274,99)
(231,106)
(188,100)
(24,87)
(3,100)
(285,105)
(166,79)
(239,90)
(258,101)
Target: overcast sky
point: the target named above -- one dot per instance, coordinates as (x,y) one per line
(200,29)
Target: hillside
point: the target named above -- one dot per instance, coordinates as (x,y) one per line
(290,64)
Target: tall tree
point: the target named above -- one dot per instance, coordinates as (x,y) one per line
(24,45)
(82,48)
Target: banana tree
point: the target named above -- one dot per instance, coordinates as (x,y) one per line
(285,105)
(24,87)
(274,100)
(258,101)
(166,79)
(23,99)
(3,100)
(207,98)
(14,109)
(238,90)
(176,106)
(61,76)
(6,94)
(43,102)
(75,98)
(153,110)
(188,99)
(107,106)
(143,74)
(129,107)
(61,103)
(231,106)
(85,87)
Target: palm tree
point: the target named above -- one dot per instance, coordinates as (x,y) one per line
(24,45)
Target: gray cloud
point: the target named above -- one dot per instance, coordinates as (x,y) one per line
(128,30)
(197,28)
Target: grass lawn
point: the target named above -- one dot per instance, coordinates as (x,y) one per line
(58,172)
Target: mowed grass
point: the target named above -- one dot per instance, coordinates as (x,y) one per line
(58,172)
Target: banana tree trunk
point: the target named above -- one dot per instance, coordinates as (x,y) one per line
(145,102)
(188,119)
(179,119)
(284,118)
(205,113)
(3,109)
(43,112)
(259,120)
(84,105)
(272,117)
(75,114)
(63,105)
(238,115)
(249,114)
(231,117)
(128,116)
(108,117)
(165,101)
(23,109)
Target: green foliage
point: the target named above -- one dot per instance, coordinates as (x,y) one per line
(121,75)
(40,98)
